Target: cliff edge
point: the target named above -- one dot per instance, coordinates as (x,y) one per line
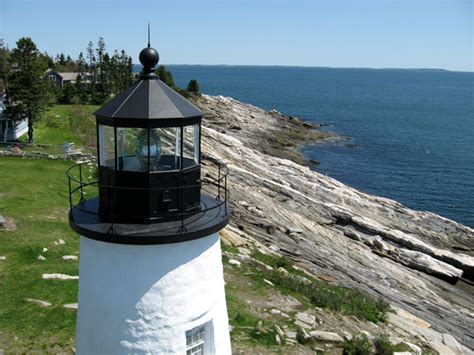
(419,262)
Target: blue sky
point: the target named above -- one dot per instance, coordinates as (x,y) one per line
(336,33)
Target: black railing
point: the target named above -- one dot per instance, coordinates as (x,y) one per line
(83,186)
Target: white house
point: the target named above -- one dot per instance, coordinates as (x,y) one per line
(9,129)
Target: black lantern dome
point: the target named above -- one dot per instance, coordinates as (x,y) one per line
(149,169)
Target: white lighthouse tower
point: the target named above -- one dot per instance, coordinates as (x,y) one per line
(151,276)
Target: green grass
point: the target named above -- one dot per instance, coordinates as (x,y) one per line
(34,194)
(246,323)
(320,294)
(273,261)
(64,123)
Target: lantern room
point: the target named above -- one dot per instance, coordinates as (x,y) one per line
(148,159)
(149,145)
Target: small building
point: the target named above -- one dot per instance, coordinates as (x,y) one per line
(66,78)
(10,130)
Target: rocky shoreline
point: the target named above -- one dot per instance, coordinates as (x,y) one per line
(337,233)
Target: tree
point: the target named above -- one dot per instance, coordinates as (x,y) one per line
(4,64)
(100,70)
(165,76)
(92,76)
(48,60)
(26,89)
(81,63)
(193,87)
(68,94)
(122,71)
(61,60)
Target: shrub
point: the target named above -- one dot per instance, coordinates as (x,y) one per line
(193,86)
(263,336)
(383,346)
(357,346)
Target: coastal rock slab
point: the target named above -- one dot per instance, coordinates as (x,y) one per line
(309,319)
(59,277)
(39,302)
(229,237)
(326,336)
(70,305)
(69,257)
(428,264)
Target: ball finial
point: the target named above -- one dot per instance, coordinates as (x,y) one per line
(149,57)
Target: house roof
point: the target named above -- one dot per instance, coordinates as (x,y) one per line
(149,99)
(68,76)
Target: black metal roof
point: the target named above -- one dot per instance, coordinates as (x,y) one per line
(149,99)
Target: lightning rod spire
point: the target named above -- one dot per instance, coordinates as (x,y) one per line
(149,45)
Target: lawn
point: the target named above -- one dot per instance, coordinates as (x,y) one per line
(33,194)
(65,123)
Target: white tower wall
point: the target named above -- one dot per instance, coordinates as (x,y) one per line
(142,299)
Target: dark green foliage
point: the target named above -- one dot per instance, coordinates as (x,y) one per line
(81,90)
(81,64)
(383,346)
(26,89)
(109,75)
(357,346)
(68,94)
(264,336)
(193,87)
(165,76)
(4,64)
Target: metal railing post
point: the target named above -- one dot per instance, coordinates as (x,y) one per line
(225,195)
(218,181)
(70,193)
(80,184)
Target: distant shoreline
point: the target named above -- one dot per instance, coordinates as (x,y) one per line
(137,67)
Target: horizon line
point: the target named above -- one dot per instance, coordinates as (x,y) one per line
(319,66)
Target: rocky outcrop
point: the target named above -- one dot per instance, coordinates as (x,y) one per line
(335,232)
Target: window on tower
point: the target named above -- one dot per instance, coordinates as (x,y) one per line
(191,146)
(107,146)
(198,340)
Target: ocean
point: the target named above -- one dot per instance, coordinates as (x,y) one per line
(410,132)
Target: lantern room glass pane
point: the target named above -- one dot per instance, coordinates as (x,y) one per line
(167,141)
(107,146)
(190,146)
(132,149)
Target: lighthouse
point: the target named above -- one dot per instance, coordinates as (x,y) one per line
(151,275)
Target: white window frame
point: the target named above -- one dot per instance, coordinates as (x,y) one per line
(201,343)
(52,77)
